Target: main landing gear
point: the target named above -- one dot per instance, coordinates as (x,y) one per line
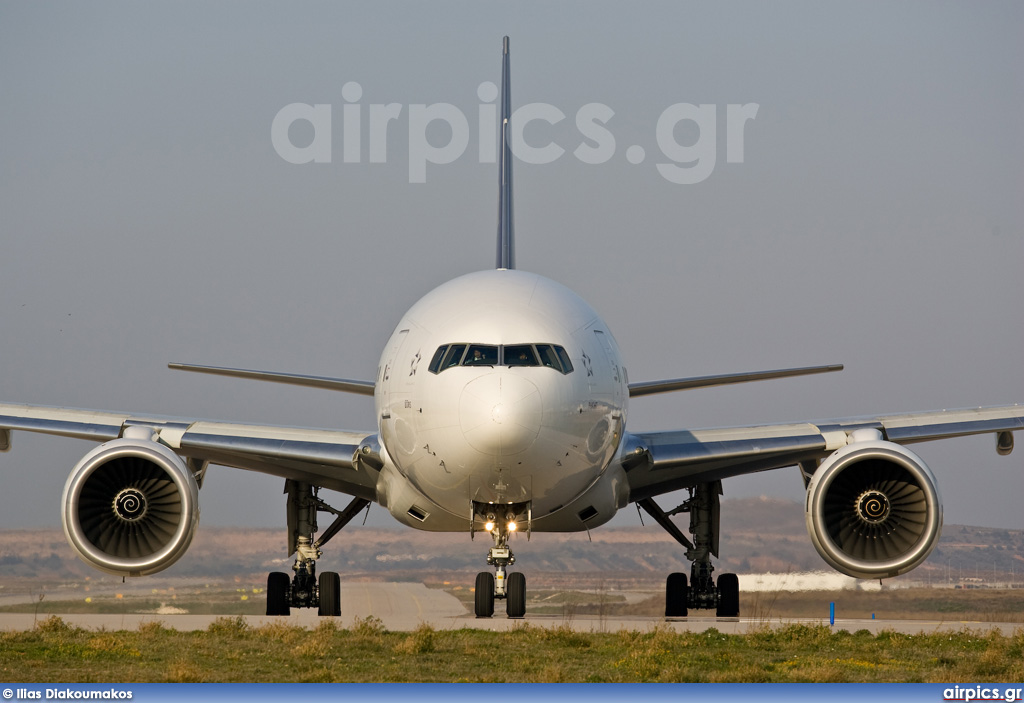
(700,592)
(304,589)
(510,587)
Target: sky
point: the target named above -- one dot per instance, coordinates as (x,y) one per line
(870,213)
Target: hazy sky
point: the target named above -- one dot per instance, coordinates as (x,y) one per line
(876,219)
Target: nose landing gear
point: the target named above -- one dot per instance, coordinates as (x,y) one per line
(501,585)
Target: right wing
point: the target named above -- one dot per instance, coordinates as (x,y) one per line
(339,460)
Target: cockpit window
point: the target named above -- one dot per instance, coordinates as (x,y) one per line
(454,356)
(435,362)
(563,356)
(481,355)
(520,355)
(550,355)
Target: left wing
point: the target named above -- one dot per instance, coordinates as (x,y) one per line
(340,460)
(660,462)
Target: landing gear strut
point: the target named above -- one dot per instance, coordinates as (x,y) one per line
(303,589)
(510,587)
(700,592)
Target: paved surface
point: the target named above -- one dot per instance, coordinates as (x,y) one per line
(404,606)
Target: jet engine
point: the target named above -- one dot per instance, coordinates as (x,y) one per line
(130,507)
(873,509)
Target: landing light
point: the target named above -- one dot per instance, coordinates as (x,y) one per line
(489,526)
(511,527)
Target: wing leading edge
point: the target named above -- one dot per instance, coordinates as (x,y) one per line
(344,461)
(661,462)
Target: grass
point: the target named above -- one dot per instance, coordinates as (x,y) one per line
(230,650)
(949,605)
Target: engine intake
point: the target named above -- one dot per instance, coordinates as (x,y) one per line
(873,510)
(130,507)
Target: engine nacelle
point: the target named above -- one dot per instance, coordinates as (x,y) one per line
(873,510)
(130,507)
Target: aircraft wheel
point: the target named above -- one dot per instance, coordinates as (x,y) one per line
(278,585)
(676,594)
(728,596)
(515,600)
(330,594)
(484,594)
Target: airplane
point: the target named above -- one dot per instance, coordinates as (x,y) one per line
(500,406)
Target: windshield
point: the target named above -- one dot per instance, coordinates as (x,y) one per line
(550,356)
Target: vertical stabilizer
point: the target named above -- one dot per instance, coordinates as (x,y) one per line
(506,236)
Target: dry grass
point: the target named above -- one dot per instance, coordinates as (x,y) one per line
(229,650)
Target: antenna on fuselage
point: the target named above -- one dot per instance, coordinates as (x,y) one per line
(506,236)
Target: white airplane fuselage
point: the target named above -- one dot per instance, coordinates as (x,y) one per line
(492,431)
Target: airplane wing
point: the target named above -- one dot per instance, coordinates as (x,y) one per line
(338,460)
(661,462)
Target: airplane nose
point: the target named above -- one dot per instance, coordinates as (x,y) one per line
(500,413)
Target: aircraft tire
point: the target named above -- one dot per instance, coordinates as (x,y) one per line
(515,600)
(330,594)
(728,596)
(677,592)
(278,585)
(484,594)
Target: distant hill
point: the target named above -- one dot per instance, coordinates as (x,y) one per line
(759,535)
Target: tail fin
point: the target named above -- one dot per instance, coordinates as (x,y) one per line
(506,235)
